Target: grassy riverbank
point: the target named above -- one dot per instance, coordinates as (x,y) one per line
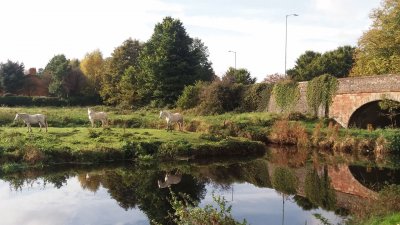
(140,134)
(87,145)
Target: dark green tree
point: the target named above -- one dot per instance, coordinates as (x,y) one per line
(128,95)
(171,60)
(58,69)
(75,82)
(11,75)
(307,66)
(337,63)
(203,67)
(122,58)
(239,76)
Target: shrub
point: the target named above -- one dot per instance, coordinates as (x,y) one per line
(190,97)
(48,101)
(256,97)
(219,97)
(394,141)
(209,215)
(33,155)
(285,132)
(173,149)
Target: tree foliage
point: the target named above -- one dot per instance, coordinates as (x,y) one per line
(392,108)
(256,97)
(239,76)
(190,97)
(307,67)
(274,78)
(122,58)
(170,61)
(378,49)
(220,97)
(92,66)
(311,64)
(75,82)
(128,95)
(58,69)
(11,75)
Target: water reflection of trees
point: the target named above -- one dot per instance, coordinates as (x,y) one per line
(254,172)
(318,188)
(136,186)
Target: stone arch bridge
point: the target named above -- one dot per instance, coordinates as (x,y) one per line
(356,101)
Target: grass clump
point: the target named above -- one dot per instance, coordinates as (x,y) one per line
(187,214)
(383,210)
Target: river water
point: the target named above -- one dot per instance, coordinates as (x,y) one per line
(262,191)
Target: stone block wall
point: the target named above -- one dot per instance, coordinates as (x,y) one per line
(353,92)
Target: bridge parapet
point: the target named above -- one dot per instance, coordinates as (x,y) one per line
(369,84)
(353,92)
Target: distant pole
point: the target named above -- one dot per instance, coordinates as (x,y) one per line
(235,57)
(286,39)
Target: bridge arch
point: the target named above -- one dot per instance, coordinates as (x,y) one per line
(359,109)
(371,113)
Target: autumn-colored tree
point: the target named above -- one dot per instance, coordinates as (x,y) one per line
(378,49)
(92,66)
(274,78)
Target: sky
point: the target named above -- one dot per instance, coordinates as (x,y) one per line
(35,31)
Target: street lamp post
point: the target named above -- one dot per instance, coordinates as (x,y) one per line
(235,57)
(286,38)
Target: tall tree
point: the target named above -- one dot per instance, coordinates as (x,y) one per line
(128,88)
(337,63)
(171,60)
(92,66)
(58,69)
(239,76)
(203,66)
(75,82)
(307,67)
(11,75)
(378,49)
(122,58)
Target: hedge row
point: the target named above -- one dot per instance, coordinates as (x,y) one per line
(49,101)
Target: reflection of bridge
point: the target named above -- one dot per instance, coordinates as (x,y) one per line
(348,190)
(343,180)
(355,102)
